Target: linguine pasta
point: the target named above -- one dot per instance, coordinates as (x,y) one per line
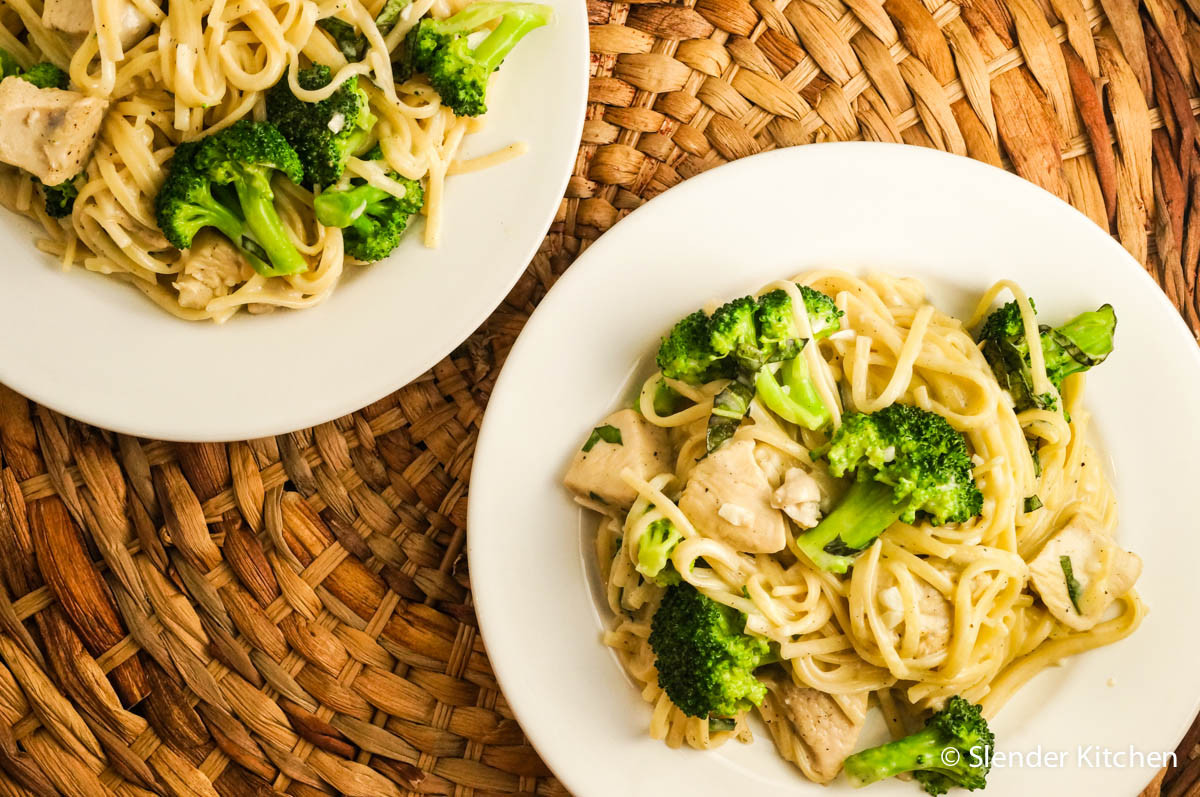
(867,633)
(201,66)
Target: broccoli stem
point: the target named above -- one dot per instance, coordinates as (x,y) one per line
(1080,343)
(921,750)
(800,404)
(516,22)
(254,192)
(864,513)
(225,220)
(342,208)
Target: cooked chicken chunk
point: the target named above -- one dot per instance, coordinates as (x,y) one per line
(799,497)
(1104,570)
(728,498)
(642,447)
(936,615)
(937,618)
(68,16)
(75,17)
(210,268)
(47,132)
(825,730)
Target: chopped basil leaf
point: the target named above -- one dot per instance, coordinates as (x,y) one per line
(352,44)
(839,547)
(1074,589)
(1033,503)
(720,724)
(729,408)
(389,15)
(607,433)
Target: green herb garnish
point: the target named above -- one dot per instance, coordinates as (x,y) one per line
(608,433)
(1074,589)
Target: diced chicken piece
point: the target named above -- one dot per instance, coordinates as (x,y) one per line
(773,462)
(799,497)
(728,498)
(47,132)
(1104,570)
(827,732)
(132,25)
(68,16)
(643,448)
(936,615)
(937,619)
(75,17)
(210,268)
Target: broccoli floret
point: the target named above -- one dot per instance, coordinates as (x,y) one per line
(373,220)
(655,547)
(244,156)
(46,76)
(1081,343)
(742,335)
(907,461)
(705,660)
(60,199)
(686,354)
(458,72)
(9,66)
(324,134)
(953,749)
(823,314)
(732,330)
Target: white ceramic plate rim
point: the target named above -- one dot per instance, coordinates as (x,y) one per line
(530,580)
(96,350)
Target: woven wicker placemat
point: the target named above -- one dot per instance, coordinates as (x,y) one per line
(294,614)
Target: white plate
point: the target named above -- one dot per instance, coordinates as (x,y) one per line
(950,221)
(96,349)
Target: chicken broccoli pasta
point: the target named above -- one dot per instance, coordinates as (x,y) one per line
(220,156)
(832,496)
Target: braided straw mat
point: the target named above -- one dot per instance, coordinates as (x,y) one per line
(293,615)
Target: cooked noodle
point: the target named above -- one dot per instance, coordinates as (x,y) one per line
(203,65)
(834,633)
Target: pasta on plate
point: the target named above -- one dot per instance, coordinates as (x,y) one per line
(831,496)
(315,130)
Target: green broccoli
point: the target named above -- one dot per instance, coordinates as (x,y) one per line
(795,400)
(9,66)
(740,339)
(459,73)
(704,658)
(1077,345)
(60,199)
(742,335)
(655,547)
(374,220)
(324,134)
(953,749)
(196,194)
(686,353)
(906,461)
(44,75)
